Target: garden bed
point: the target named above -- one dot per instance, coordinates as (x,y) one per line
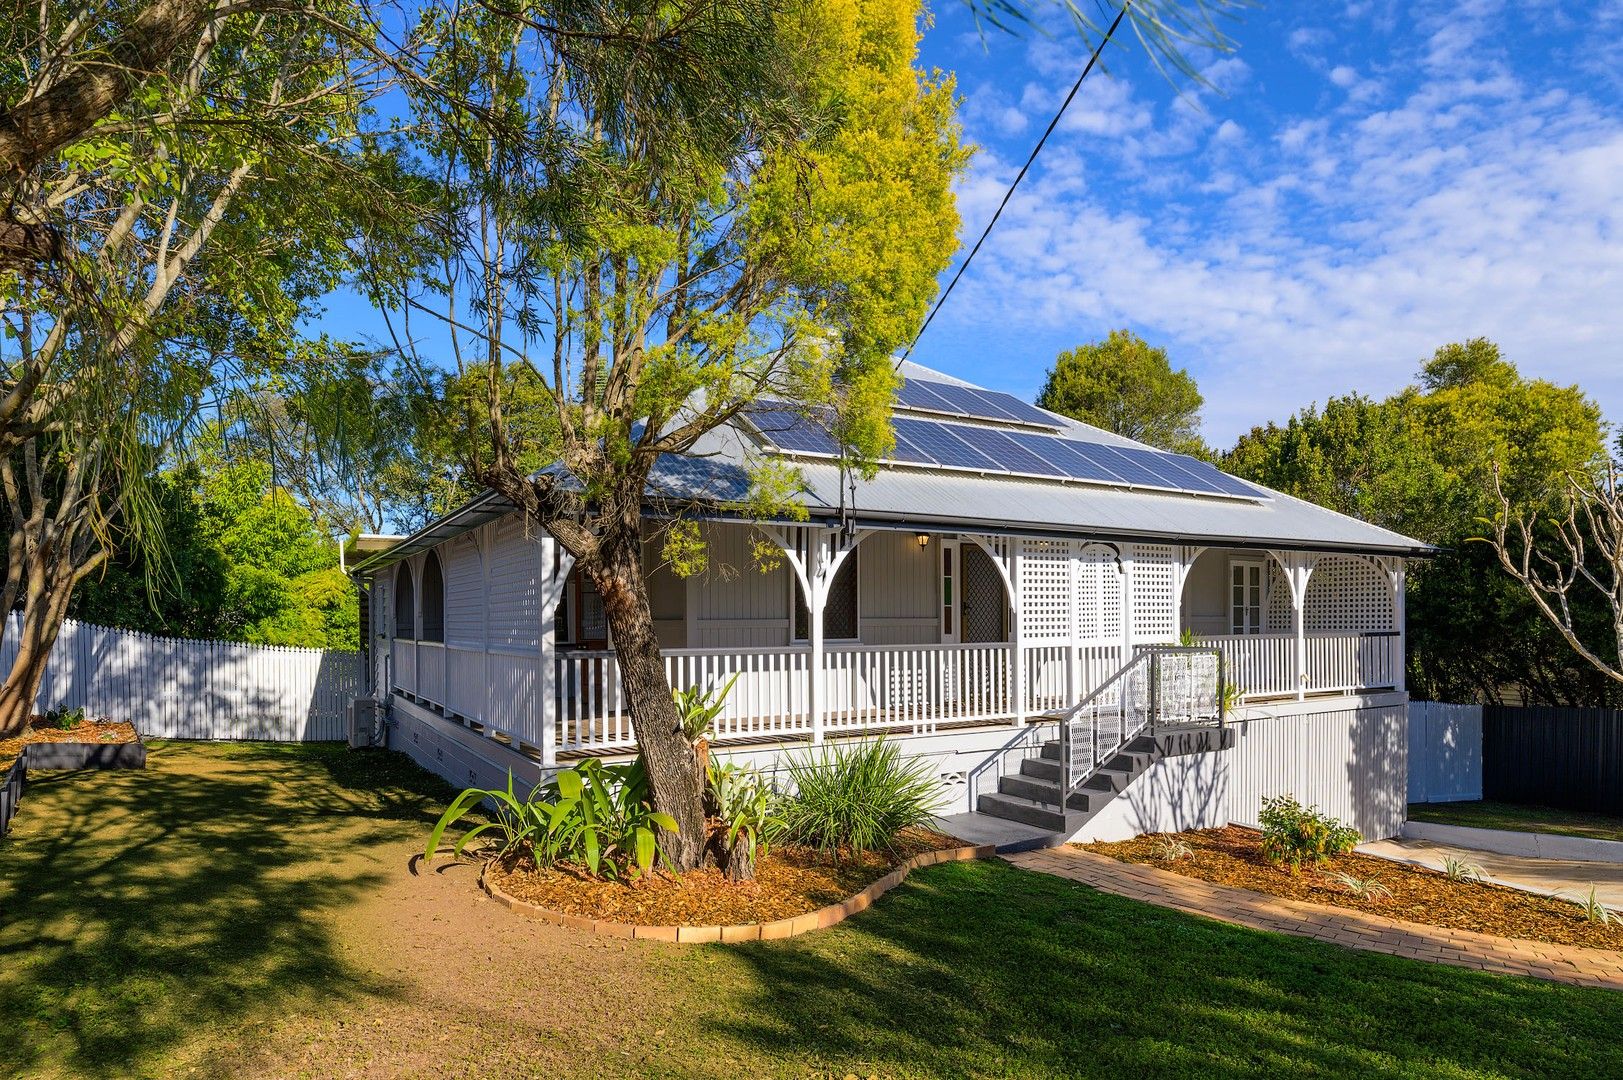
(1231,856)
(83,744)
(789,882)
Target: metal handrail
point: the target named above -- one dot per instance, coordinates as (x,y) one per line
(1146,655)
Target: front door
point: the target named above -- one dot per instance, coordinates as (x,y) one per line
(985,608)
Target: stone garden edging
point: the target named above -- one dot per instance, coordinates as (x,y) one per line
(770,931)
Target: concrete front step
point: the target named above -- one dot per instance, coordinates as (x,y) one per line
(1025,811)
(1031,796)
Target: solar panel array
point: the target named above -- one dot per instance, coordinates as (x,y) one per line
(1022,453)
(922,395)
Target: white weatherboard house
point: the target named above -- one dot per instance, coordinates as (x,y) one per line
(1006,566)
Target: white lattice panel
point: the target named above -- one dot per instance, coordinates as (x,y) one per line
(1098,596)
(1154,617)
(1045,590)
(1277,619)
(1347,594)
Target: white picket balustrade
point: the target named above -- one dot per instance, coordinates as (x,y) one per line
(1345,662)
(915,687)
(1264,665)
(183,688)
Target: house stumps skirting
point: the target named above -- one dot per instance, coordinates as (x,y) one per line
(776,930)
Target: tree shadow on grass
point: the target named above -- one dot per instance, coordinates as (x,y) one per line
(982,969)
(143,909)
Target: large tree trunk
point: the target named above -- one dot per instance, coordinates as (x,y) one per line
(673,777)
(50,589)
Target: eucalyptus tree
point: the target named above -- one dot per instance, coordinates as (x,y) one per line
(198,223)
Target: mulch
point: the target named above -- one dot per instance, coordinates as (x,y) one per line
(789,881)
(86,730)
(1232,856)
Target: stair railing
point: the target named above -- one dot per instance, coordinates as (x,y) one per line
(1160,683)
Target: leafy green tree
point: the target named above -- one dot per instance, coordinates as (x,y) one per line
(1423,462)
(1125,385)
(242,561)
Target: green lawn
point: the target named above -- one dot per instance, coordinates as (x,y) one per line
(249,911)
(1498,815)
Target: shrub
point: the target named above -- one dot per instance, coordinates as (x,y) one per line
(65,718)
(594,814)
(747,807)
(857,797)
(1293,834)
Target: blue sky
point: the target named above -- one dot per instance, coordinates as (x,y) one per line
(1363,182)
(1368,180)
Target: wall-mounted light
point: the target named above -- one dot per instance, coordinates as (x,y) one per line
(923,539)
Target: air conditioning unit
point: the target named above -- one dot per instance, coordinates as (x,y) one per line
(365,723)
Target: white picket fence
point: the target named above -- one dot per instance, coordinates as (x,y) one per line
(178,688)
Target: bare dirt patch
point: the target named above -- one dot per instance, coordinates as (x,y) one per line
(1231,856)
(789,881)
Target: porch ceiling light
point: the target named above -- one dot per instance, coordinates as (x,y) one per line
(923,539)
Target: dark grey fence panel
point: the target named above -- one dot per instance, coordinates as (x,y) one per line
(1550,755)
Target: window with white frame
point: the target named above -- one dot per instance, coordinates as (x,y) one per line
(1246,595)
(840,612)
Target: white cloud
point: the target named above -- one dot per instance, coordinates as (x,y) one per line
(1327,252)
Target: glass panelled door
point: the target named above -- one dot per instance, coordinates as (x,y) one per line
(1245,596)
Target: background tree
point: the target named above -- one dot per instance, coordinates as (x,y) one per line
(201,222)
(1125,385)
(249,563)
(1423,462)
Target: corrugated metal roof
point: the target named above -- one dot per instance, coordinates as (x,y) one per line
(716,475)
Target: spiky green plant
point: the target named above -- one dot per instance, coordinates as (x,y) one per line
(1458,869)
(698,708)
(1170,849)
(747,806)
(1363,888)
(857,797)
(1594,911)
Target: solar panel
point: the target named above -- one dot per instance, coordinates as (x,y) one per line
(1004,448)
(1020,410)
(1056,457)
(945,444)
(969,401)
(907,449)
(793,431)
(988,449)
(1217,478)
(1134,466)
(915,394)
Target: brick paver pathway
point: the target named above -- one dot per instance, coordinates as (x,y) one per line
(1340,926)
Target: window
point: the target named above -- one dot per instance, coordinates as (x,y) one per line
(405,604)
(433,599)
(563,621)
(839,612)
(1245,596)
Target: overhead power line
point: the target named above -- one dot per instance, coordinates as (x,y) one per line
(1035,150)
